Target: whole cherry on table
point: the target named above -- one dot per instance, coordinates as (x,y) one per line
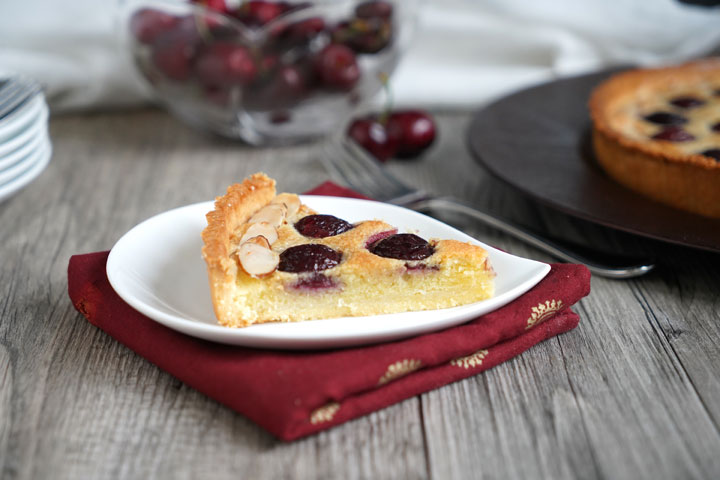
(400,134)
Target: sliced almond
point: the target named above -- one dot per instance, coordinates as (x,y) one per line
(256,258)
(259,240)
(260,229)
(272,214)
(291,202)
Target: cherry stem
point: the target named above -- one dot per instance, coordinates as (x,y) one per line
(385,115)
(202,26)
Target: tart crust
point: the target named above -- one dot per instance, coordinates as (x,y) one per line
(673,173)
(457,273)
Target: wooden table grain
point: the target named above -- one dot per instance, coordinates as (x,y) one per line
(633,392)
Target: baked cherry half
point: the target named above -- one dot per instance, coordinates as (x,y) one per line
(321,226)
(403,246)
(687,102)
(665,118)
(310,257)
(673,133)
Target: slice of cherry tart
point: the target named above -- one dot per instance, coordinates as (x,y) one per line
(271,258)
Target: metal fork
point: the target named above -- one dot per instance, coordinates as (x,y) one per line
(353,166)
(15,92)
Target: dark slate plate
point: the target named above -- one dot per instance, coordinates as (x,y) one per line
(538,141)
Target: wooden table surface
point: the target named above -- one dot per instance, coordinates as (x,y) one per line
(633,392)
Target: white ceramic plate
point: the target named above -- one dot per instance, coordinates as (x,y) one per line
(32,129)
(157,269)
(20,118)
(23,179)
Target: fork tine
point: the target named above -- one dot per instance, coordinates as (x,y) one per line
(372,181)
(390,185)
(340,162)
(358,169)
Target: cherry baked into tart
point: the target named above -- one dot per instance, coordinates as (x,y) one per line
(271,258)
(657,131)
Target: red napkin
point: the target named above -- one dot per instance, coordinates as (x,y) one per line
(293,394)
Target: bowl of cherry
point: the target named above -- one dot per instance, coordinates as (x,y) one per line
(262,71)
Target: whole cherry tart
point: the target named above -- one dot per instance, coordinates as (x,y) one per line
(657,132)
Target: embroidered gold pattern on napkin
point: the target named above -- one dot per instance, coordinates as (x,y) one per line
(399,369)
(542,312)
(324,413)
(470,361)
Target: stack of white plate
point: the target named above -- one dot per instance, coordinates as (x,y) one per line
(24,143)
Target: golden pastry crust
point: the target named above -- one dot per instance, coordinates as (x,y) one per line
(363,283)
(231,211)
(674,173)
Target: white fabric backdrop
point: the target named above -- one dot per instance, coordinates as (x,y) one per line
(466,52)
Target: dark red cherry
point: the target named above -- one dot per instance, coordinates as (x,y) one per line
(267,65)
(342,33)
(665,118)
(403,246)
(712,153)
(687,102)
(374,9)
(173,51)
(363,35)
(215,5)
(715,127)
(279,89)
(337,68)
(373,136)
(291,82)
(259,12)
(673,133)
(305,30)
(379,236)
(225,64)
(413,131)
(147,24)
(308,258)
(321,226)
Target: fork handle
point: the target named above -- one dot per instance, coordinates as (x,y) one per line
(612,266)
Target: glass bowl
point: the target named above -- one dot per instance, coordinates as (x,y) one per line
(266,72)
